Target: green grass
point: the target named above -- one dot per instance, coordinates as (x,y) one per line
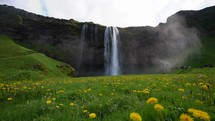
(110,98)
(206,55)
(18,63)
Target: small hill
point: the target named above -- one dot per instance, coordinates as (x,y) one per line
(19,63)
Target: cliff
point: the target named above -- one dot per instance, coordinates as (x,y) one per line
(144,49)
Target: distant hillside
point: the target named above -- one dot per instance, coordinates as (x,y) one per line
(19,63)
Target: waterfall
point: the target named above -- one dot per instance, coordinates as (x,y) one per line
(81,46)
(111,51)
(88,36)
(43,8)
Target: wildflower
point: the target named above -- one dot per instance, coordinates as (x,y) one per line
(199,102)
(48,102)
(72,104)
(152,100)
(84,111)
(158,107)
(9,99)
(57,106)
(184,97)
(199,114)
(181,90)
(61,104)
(204,87)
(185,117)
(92,115)
(187,84)
(135,117)
(146,91)
(100,94)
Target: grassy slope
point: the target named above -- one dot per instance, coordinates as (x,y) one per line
(17,62)
(206,56)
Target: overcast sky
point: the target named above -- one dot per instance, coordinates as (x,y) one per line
(120,13)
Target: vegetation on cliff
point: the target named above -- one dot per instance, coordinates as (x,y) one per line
(18,63)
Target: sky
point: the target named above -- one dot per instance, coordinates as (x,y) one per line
(121,13)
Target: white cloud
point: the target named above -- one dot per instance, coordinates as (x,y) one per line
(111,12)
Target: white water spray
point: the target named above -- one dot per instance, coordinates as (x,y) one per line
(111,51)
(81,46)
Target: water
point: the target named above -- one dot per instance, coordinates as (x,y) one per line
(111,51)
(43,8)
(88,35)
(81,46)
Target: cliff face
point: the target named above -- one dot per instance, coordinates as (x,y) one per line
(144,49)
(57,38)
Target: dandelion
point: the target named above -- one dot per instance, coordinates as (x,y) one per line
(181,90)
(72,104)
(84,111)
(152,100)
(57,106)
(92,115)
(204,87)
(135,117)
(199,102)
(48,102)
(9,99)
(100,94)
(199,114)
(185,117)
(187,84)
(158,107)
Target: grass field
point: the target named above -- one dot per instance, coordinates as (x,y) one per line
(110,98)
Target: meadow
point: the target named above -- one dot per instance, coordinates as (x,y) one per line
(160,97)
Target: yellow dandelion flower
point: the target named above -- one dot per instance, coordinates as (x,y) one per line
(9,99)
(199,114)
(185,117)
(204,87)
(100,94)
(84,111)
(48,102)
(92,115)
(187,84)
(135,117)
(158,107)
(152,100)
(72,104)
(57,106)
(181,90)
(199,102)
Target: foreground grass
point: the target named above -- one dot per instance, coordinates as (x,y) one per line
(110,98)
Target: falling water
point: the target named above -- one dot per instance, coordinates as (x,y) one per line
(111,51)
(43,8)
(81,46)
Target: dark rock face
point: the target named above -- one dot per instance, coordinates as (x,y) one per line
(56,38)
(144,49)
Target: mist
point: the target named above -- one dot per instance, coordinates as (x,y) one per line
(176,44)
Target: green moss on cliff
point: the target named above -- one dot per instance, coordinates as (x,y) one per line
(18,63)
